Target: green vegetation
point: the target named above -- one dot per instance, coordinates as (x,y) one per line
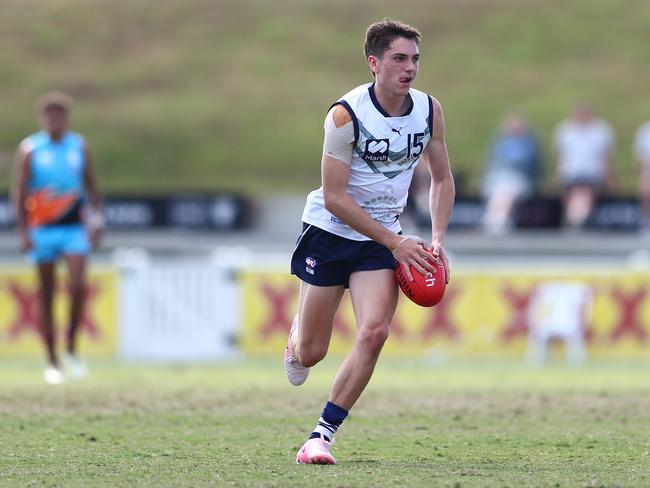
(459,426)
(200,95)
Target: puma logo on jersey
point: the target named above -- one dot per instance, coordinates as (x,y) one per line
(376,150)
(398,130)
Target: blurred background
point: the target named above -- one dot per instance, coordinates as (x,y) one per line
(205,120)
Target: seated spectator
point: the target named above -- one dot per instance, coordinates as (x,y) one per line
(642,153)
(512,172)
(584,145)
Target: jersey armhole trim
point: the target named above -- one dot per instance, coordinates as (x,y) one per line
(355,122)
(430,118)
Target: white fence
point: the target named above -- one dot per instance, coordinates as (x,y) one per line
(177,311)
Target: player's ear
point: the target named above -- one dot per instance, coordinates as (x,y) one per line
(372,63)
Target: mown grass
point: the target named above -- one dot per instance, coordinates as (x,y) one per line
(200,95)
(240,425)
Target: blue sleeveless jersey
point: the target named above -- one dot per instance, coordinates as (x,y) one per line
(56,185)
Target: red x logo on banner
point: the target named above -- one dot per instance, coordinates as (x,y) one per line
(27,302)
(519,302)
(26,320)
(629,305)
(279,299)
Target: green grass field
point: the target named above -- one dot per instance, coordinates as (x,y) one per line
(201,95)
(236,425)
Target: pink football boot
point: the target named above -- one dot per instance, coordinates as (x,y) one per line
(296,372)
(315,451)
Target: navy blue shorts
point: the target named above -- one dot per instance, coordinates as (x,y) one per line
(325,259)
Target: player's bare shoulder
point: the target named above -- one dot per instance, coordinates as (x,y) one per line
(341,116)
(25,147)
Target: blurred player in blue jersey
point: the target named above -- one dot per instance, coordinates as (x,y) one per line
(375,136)
(54,181)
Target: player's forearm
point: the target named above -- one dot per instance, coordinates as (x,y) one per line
(20,189)
(441,203)
(20,209)
(21,221)
(345,208)
(90,183)
(92,191)
(95,201)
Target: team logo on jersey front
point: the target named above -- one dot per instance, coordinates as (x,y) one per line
(376,150)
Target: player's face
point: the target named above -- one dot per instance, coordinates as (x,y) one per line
(54,120)
(397,68)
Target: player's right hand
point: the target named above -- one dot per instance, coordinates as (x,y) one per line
(414,251)
(26,243)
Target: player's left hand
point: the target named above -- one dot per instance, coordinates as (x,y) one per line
(95,237)
(439,251)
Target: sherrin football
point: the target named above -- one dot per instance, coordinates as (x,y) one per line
(426,292)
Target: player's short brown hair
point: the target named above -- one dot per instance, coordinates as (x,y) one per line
(54,99)
(380,34)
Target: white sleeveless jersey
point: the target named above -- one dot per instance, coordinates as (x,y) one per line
(386,151)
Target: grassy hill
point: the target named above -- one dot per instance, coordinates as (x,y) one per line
(202,95)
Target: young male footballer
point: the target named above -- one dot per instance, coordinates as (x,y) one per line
(54,180)
(375,135)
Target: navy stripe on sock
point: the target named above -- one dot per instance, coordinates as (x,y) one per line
(316,435)
(333,414)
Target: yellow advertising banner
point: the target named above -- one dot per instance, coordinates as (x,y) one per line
(483,313)
(19,309)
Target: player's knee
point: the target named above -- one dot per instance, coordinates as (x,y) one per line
(310,356)
(310,351)
(373,336)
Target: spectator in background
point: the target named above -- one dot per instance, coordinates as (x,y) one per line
(642,153)
(585,146)
(512,172)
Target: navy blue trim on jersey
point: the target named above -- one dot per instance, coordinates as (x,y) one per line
(430,117)
(355,121)
(325,259)
(380,109)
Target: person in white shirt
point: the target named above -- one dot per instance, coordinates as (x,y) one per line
(642,154)
(584,146)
